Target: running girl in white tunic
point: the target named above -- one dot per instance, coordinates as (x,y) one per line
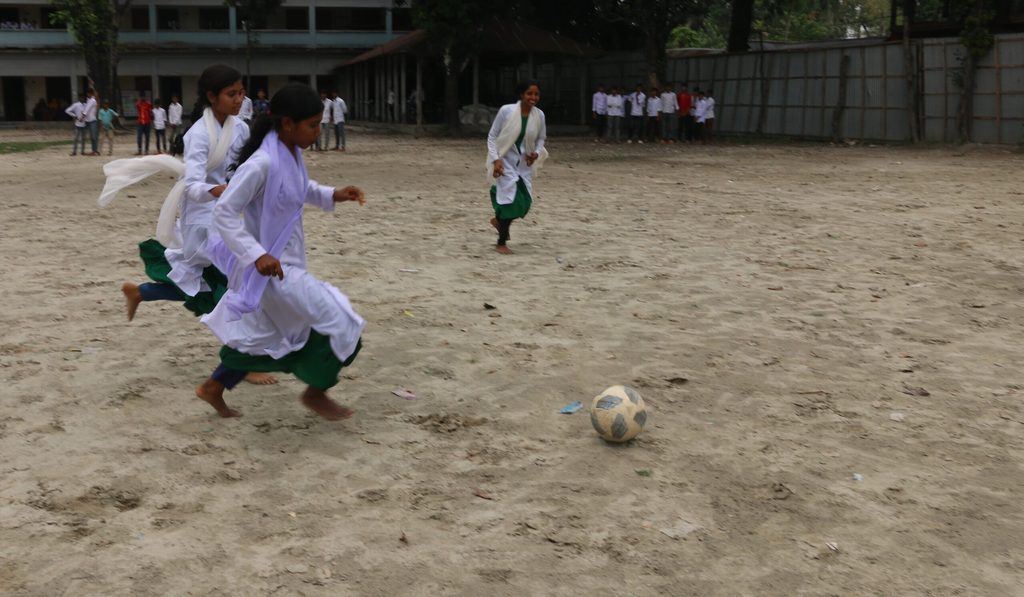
(275,315)
(515,151)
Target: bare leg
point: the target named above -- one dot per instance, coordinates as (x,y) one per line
(132,298)
(318,402)
(212,391)
(260,379)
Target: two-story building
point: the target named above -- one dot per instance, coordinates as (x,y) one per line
(167,43)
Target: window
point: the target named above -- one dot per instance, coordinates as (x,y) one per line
(401,19)
(168,19)
(296,19)
(350,19)
(213,19)
(140,19)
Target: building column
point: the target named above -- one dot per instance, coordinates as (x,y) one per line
(419,89)
(233,27)
(388,22)
(402,94)
(476,80)
(152,22)
(312,23)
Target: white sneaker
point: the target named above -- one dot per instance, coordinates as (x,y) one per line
(640,142)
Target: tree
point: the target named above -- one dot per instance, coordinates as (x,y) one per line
(455,30)
(253,15)
(740,26)
(655,19)
(95,25)
(975,19)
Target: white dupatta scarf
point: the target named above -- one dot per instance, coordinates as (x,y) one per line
(126,172)
(510,132)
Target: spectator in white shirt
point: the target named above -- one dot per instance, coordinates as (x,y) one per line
(599,111)
(669,116)
(653,114)
(77,113)
(160,126)
(709,117)
(340,108)
(616,112)
(173,121)
(637,102)
(91,109)
(245,112)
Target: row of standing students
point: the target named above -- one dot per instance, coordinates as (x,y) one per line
(667,116)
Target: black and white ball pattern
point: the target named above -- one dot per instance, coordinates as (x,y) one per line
(618,414)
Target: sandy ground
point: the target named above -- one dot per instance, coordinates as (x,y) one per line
(828,340)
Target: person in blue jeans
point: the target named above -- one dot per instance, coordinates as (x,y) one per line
(77,113)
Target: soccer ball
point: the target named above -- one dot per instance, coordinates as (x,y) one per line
(618,414)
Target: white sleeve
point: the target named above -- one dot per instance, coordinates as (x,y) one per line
(197,148)
(542,136)
(321,196)
(247,184)
(492,136)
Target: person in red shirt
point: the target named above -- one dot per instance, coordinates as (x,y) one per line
(685,114)
(145,111)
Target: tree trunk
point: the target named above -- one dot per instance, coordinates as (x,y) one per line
(762,115)
(654,55)
(837,115)
(910,74)
(740,25)
(451,94)
(965,111)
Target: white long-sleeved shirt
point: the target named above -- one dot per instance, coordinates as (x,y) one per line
(328,116)
(174,114)
(709,109)
(238,211)
(637,100)
(513,161)
(653,106)
(616,105)
(198,146)
(340,108)
(599,103)
(76,111)
(700,109)
(245,112)
(159,118)
(669,103)
(91,108)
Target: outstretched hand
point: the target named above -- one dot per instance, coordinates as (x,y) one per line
(349,194)
(267,265)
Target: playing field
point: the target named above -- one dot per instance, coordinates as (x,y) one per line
(828,339)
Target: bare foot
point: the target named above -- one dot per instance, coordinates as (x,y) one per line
(132,298)
(213,393)
(494,222)
(260,379)
(318,402)
(504,250)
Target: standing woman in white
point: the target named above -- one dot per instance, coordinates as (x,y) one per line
(515,151)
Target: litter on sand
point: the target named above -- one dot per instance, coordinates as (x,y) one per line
(403,393)
(571,408)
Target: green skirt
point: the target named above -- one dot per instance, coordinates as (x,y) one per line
(158,270)
(519,207)
(315,363)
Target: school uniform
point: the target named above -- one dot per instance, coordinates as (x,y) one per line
(245,112)
(160,128)
(653,116)
(77,112)
(599,107)
(616,111)
(91,123)
(189,264)
(637,102)
(512,137)
(340,108)
(326,123)
(298,324)
(173,122)
(709,118)
(699,116)
(669,120)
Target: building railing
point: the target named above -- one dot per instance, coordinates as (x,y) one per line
(209,39)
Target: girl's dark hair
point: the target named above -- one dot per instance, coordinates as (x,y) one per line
(297,101)
(214,79)
(523,86)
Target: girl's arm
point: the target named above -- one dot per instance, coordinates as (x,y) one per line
(197,148)
(321,196)
(492,136)
(247,184)
(542,136)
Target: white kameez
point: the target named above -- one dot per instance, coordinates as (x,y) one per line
(195,224)
(514,160)
(291,307)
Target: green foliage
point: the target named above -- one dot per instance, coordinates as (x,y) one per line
(707,36)
(93,22)
(455,27)
(25,146)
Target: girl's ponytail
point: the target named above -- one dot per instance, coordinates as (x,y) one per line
(257,133)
